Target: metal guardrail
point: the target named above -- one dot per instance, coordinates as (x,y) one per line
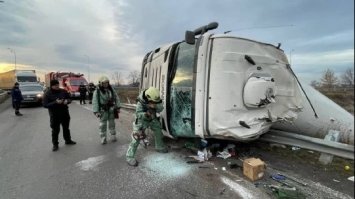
(306,142)
(128,106)
(3,96)
(301,141)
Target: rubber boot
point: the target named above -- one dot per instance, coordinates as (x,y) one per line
(132,162)
(103,140)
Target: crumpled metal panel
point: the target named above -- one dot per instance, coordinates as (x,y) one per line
(228,115)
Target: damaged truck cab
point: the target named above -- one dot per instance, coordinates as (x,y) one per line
(221,86)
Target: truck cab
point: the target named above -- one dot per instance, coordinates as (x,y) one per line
(72,83)
(26,76)
(68,81)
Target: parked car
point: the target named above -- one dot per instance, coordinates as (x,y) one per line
(32,93)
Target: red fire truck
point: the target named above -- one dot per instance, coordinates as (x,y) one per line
(68,81)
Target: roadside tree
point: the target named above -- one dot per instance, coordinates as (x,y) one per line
(347,78)
(329,80)
(134,77)
(117,78)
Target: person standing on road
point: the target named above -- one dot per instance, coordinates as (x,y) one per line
(148,105)
(106,106)
(56,100)
(82,91)
(16,98)
(91,90)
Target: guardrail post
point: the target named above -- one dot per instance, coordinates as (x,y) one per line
(334,136)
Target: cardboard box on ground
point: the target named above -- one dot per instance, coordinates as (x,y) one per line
(253,168)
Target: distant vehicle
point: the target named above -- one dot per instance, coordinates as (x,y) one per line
(68,81)
(32,93)
(224,86)
(8,79)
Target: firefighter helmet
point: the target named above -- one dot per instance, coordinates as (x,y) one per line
(103,79)
(152,94)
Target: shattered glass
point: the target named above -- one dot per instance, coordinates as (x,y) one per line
(181,92)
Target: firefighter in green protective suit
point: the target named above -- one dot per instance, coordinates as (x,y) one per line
(106,106)
(148,105)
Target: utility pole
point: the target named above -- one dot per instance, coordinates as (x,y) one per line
(88,67)
(13,51)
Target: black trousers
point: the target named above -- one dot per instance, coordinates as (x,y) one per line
(82,99)
(90,96)
(56,121)
(17,107)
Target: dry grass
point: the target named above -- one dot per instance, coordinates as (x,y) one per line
(343,97)
(128,94)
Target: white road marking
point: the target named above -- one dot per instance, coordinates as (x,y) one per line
(243,192)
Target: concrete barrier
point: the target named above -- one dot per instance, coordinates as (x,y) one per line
(3,97)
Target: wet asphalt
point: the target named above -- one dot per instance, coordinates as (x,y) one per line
(30,170)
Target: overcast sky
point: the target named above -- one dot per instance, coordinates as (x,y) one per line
(114,35)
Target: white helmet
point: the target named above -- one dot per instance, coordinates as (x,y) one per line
(103,79)
(152,94)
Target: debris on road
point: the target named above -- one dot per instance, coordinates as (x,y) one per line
(293,179)
(278,177)
(203,143)
(232,156)
(285,192)
(280,180)
(253,168)
(204,154)
(201,155)
(351,178)
(347,168)
(228,151)
(295,148)
(224,155)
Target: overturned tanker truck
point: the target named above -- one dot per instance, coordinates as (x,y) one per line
(222,86)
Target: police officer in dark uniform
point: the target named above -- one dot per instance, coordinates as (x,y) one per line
(57,100)
(91,90)
(82,91)
(16,99)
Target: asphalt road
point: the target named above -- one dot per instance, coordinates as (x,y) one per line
(30,170)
